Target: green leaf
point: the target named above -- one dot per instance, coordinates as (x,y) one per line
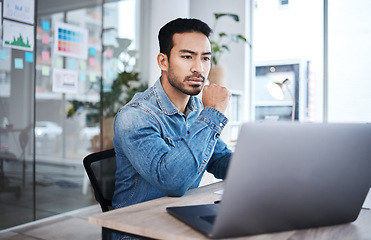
(231,15)
(216,48)
(239,36)
(222,34)
(225,47)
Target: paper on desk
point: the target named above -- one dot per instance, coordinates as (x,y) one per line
(367,203)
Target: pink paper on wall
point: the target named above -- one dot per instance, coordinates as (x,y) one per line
(45,38)
(109,53)
(91,62)
(45,55)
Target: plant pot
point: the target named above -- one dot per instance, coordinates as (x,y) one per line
(107,136)
(217,75)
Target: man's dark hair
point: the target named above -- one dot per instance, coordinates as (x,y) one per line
(180,25)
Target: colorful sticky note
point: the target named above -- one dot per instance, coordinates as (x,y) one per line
(2,54)
(18,63)
(28,57)
(91,62)
(45,38)
(45,56)
(92,51)
(45,71)
(110,74)
(59,62)
(45,25)
(71,64)
(92,77)
(82,77)
(83,65)
(109,53)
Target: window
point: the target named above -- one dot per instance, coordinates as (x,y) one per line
(288,45)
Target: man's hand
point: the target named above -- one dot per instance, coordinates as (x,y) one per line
(216,96)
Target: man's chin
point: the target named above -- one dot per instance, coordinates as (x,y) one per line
(195,90)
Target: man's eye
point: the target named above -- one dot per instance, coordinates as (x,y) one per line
(206,58)
(187,57)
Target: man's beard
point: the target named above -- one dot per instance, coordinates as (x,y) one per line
(181,85)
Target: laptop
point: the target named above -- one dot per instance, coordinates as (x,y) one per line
(288,176)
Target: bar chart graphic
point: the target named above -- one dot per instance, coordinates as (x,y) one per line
(18,35)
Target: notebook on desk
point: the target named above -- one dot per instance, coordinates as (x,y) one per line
(286,177)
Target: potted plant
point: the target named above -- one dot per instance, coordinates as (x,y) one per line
(122,90)
(220,44)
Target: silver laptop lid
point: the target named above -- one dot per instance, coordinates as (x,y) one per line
(286,176)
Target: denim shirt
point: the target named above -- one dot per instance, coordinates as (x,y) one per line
(162,152)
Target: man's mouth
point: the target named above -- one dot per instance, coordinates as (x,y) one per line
(195,80)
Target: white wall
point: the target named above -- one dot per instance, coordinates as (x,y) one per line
(235,60)
(161,12)
(349,75)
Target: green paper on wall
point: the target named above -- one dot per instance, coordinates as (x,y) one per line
(59,62)
(45,71)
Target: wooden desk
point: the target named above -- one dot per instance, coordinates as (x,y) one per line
(150,219)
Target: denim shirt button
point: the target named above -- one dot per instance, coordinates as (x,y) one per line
(221,124)
(217,135)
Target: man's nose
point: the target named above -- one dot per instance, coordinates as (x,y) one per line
(197,66)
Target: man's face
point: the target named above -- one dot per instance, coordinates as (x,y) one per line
(189,62)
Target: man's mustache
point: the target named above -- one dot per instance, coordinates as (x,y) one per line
(198,75)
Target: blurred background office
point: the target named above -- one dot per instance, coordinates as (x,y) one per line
(67,66)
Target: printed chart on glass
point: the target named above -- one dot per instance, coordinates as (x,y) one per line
(20,10)
(65,81)
(70,41)
(17,35)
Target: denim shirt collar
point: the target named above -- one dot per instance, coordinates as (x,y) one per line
(165,103)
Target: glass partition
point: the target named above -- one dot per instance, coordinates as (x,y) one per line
(16,117)
(68,70)
(58,100)
(85,71)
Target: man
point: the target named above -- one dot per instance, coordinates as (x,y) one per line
(165,138)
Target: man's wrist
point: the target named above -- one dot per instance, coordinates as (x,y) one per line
(214,118)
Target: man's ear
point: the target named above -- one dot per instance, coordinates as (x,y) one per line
(162,61)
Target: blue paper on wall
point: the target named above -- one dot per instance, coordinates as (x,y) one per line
(92,51)
(28,57)
(2,54)
(45,25)
(18,63)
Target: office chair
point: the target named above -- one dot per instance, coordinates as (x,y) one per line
(101,168)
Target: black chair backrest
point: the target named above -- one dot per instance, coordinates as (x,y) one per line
(101,169)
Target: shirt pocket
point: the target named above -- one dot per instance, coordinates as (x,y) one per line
(171,141)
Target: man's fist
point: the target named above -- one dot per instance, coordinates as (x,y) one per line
(216,96)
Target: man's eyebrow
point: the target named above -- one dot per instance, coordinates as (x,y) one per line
(193,52)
